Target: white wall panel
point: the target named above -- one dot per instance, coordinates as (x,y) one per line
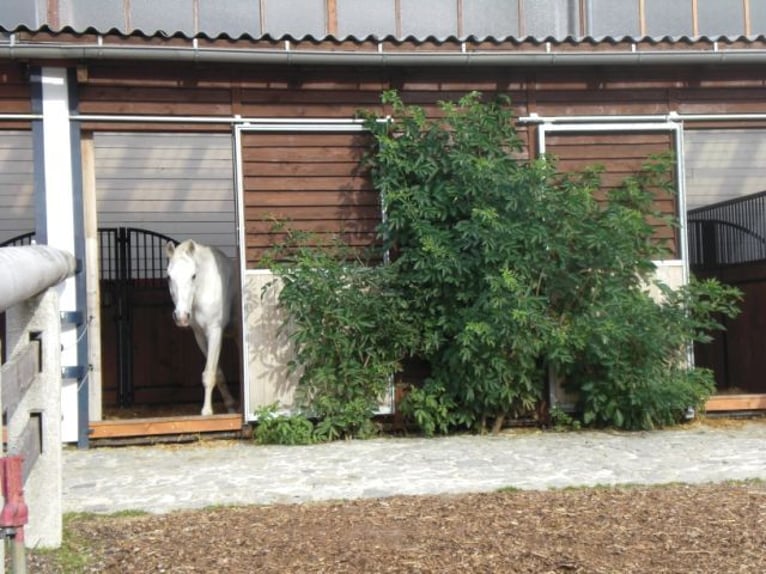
(16,184)
(723,164)
(181,185)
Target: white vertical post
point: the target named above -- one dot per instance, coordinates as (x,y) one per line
(60,220)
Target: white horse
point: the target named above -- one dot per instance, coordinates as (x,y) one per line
(202,284)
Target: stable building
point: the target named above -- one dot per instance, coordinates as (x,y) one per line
(134,124)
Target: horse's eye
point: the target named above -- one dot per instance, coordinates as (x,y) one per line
(194,277)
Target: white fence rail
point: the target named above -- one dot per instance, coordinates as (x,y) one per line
(30,400)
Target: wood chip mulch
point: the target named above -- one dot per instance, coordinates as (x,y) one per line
(677,528)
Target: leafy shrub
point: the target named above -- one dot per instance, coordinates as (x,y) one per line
(501,270)
(274,428)
(346,321)
(512,269)
(632,372)
(432,409)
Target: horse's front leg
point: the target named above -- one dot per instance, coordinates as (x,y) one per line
(210,343)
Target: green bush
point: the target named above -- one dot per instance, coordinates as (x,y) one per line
(501,270)
(273,428)
(513,269)
(347,324)
(631,371)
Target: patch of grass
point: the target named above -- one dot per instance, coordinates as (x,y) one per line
(77,554)
(119,514)
(747,482)
(509,489)
(659,486)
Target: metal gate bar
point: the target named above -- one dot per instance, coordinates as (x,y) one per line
(728,232)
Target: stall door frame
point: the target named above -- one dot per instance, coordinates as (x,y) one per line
(321,126)
(614,124)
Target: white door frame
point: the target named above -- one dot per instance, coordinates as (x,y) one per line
(613,124)
(283,126)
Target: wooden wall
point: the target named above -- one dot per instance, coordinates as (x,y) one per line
(308,182)
(621,154)
(312,179)
(322,193)
(16,164)
(15,94)
(339,92)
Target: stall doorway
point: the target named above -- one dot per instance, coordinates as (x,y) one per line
(725,172)
(152,188)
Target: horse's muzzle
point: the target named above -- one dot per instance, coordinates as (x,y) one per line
(181,319)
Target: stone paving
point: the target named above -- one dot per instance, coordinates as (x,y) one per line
(166,478)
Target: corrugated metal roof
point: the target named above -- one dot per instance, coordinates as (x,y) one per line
(388,39)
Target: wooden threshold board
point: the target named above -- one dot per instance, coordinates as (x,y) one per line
(123,428)
(723,403)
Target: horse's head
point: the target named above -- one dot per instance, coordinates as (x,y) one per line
(182,275)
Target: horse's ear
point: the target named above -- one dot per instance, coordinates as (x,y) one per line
(170,248)
(192,246)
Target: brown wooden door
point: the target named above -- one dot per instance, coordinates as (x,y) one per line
(620,154)
(737,355)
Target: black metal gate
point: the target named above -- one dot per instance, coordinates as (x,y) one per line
(129,257)
(729,232)
(727,241)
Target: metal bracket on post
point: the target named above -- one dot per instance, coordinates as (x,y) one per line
(71,318)
(76,372)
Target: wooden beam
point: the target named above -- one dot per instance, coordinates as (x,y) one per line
(722,403)
(332,17)
(29,444)
(695,19)
(92,274)
(52,14)
(18,375)
(165,426)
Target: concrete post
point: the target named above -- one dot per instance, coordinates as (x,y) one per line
(43,488)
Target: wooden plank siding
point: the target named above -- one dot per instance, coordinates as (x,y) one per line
(314,181)
(308,182)
(17,214)
(309,92)
(620,154)
(15,94)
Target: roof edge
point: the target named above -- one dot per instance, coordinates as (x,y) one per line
(286,56)
(385,38)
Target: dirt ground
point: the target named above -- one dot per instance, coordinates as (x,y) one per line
(677,528)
